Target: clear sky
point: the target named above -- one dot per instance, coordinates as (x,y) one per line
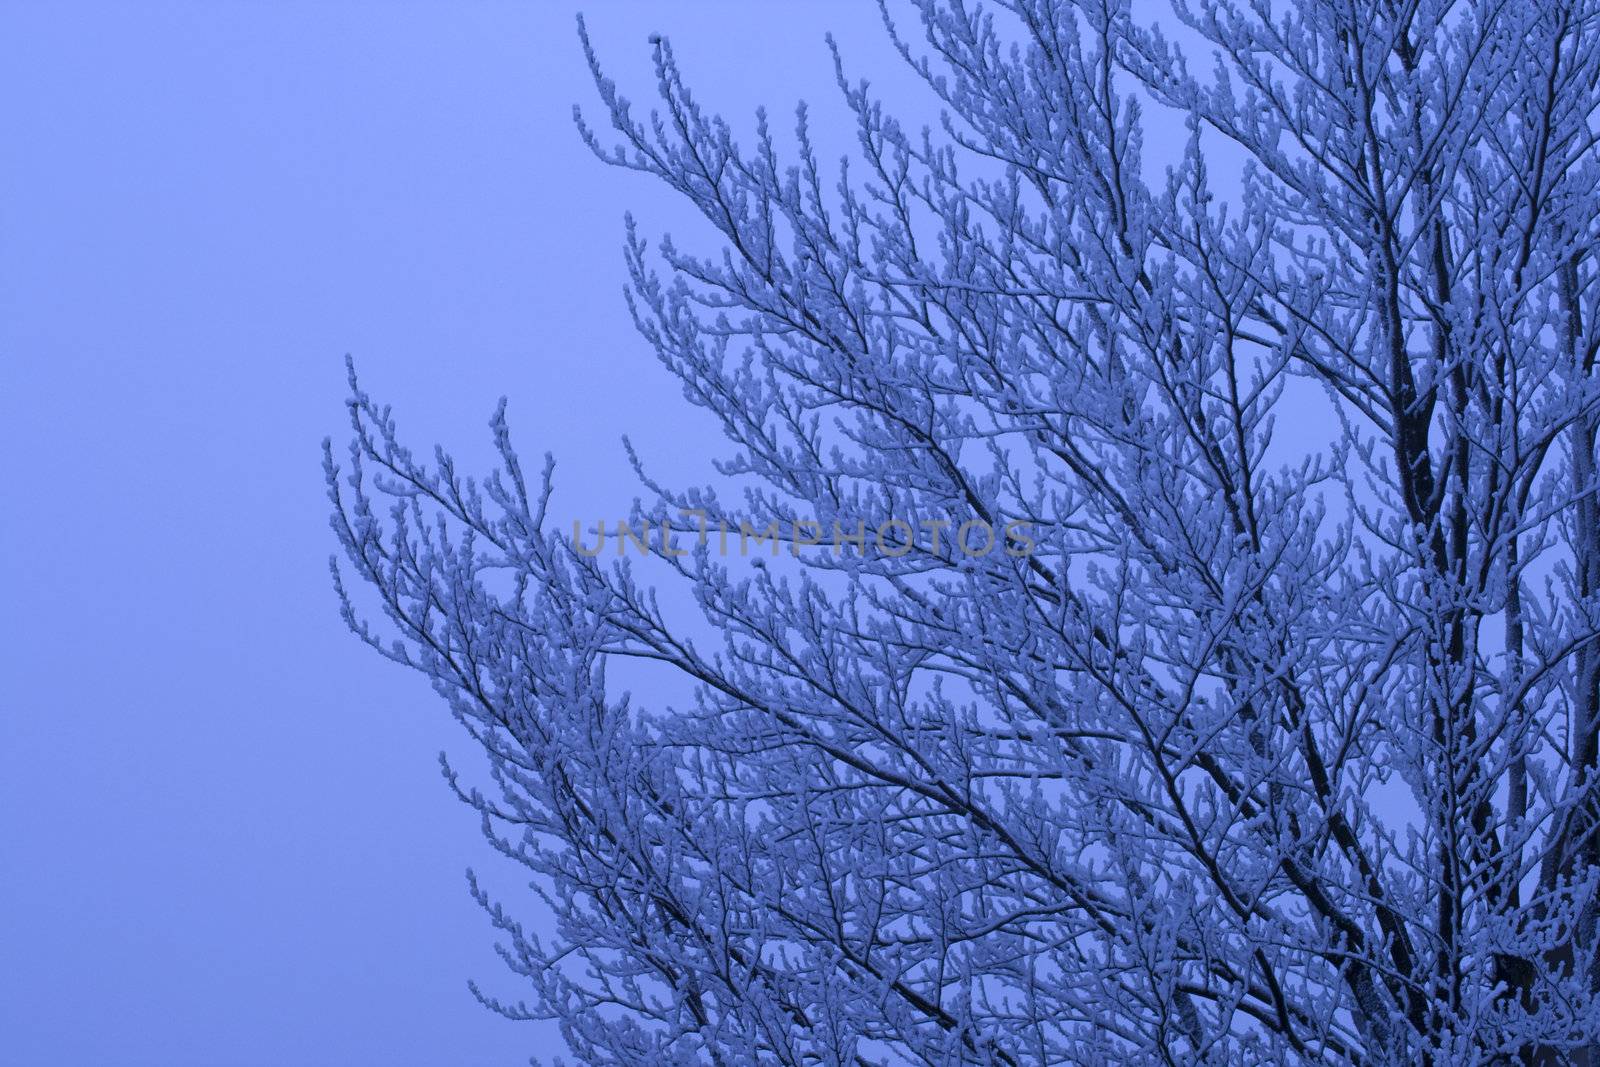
(223,837)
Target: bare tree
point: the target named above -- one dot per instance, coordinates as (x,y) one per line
(1225,748)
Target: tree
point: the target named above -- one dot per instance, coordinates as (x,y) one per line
(1228,748)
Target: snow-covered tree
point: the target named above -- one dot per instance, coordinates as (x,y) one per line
(1260,725)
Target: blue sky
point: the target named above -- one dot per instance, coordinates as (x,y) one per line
(223,835)
(225,838)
